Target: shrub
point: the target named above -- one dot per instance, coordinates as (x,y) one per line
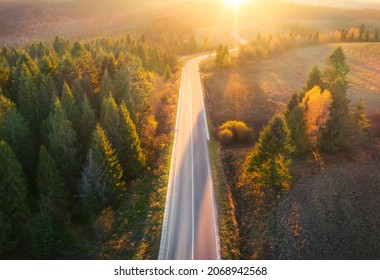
(239,131)
(225,136)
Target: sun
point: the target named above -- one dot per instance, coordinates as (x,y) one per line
(235,3)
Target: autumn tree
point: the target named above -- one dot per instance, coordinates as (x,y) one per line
(316,105)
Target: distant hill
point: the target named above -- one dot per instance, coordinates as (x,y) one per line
(341,3)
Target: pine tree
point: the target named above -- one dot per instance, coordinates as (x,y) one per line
(128,145)
(337,67)
(51,188)
(46,238)
(268,163)
(93,184)
(13,194)
(219,54)
(29,101)
(4,72)
(335,133)
(68,103)
(298,127)
(15,131)
(168,73)
(47,94)
(106,85)
(86,123)
(62,144)
(106,156)
(193,45)
(314,79)
(360,121)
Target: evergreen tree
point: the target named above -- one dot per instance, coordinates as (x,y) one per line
(337,67)
(268,163)
(106,85)
(46,238)
(314,79)
(168,72)
(93,184)
(29,101)
(87,123)
(335,133)
(219,55)
(298,127)
(360,121)
(15,131)
(128,145)
(106,156)
(4,72)
(193,45)
(51,188)
(13,194)
(47,94)
(68,103)
(62,139)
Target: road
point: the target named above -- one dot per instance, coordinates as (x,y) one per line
(190,228)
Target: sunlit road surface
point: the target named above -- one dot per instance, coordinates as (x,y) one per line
(190,229)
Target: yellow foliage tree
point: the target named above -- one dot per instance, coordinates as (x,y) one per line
(316,104)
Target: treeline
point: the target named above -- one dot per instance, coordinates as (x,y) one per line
(269,44)
(317,122)
(76,129)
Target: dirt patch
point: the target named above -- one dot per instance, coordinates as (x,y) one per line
(332,215)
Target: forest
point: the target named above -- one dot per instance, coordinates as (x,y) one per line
(82,123)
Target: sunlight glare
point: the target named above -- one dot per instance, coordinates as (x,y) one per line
(235,3)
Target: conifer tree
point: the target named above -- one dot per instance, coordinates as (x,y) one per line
(93,185)
(87,123)
(128,145)
(15,131)
(168,72)
(298,127)
(193,45)
(47,94)
(336,131)
(13,194)
(360,120)
(106,85)
(62,144)
(106,156)
(268,163)
(68,103)
(51,188)
(29,101)
(337,67)
(314,79)
(46,237)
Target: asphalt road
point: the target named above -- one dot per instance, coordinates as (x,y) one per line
(190,229)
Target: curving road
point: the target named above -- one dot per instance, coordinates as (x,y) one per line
(190,229)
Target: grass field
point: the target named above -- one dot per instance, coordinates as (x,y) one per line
(331,206)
